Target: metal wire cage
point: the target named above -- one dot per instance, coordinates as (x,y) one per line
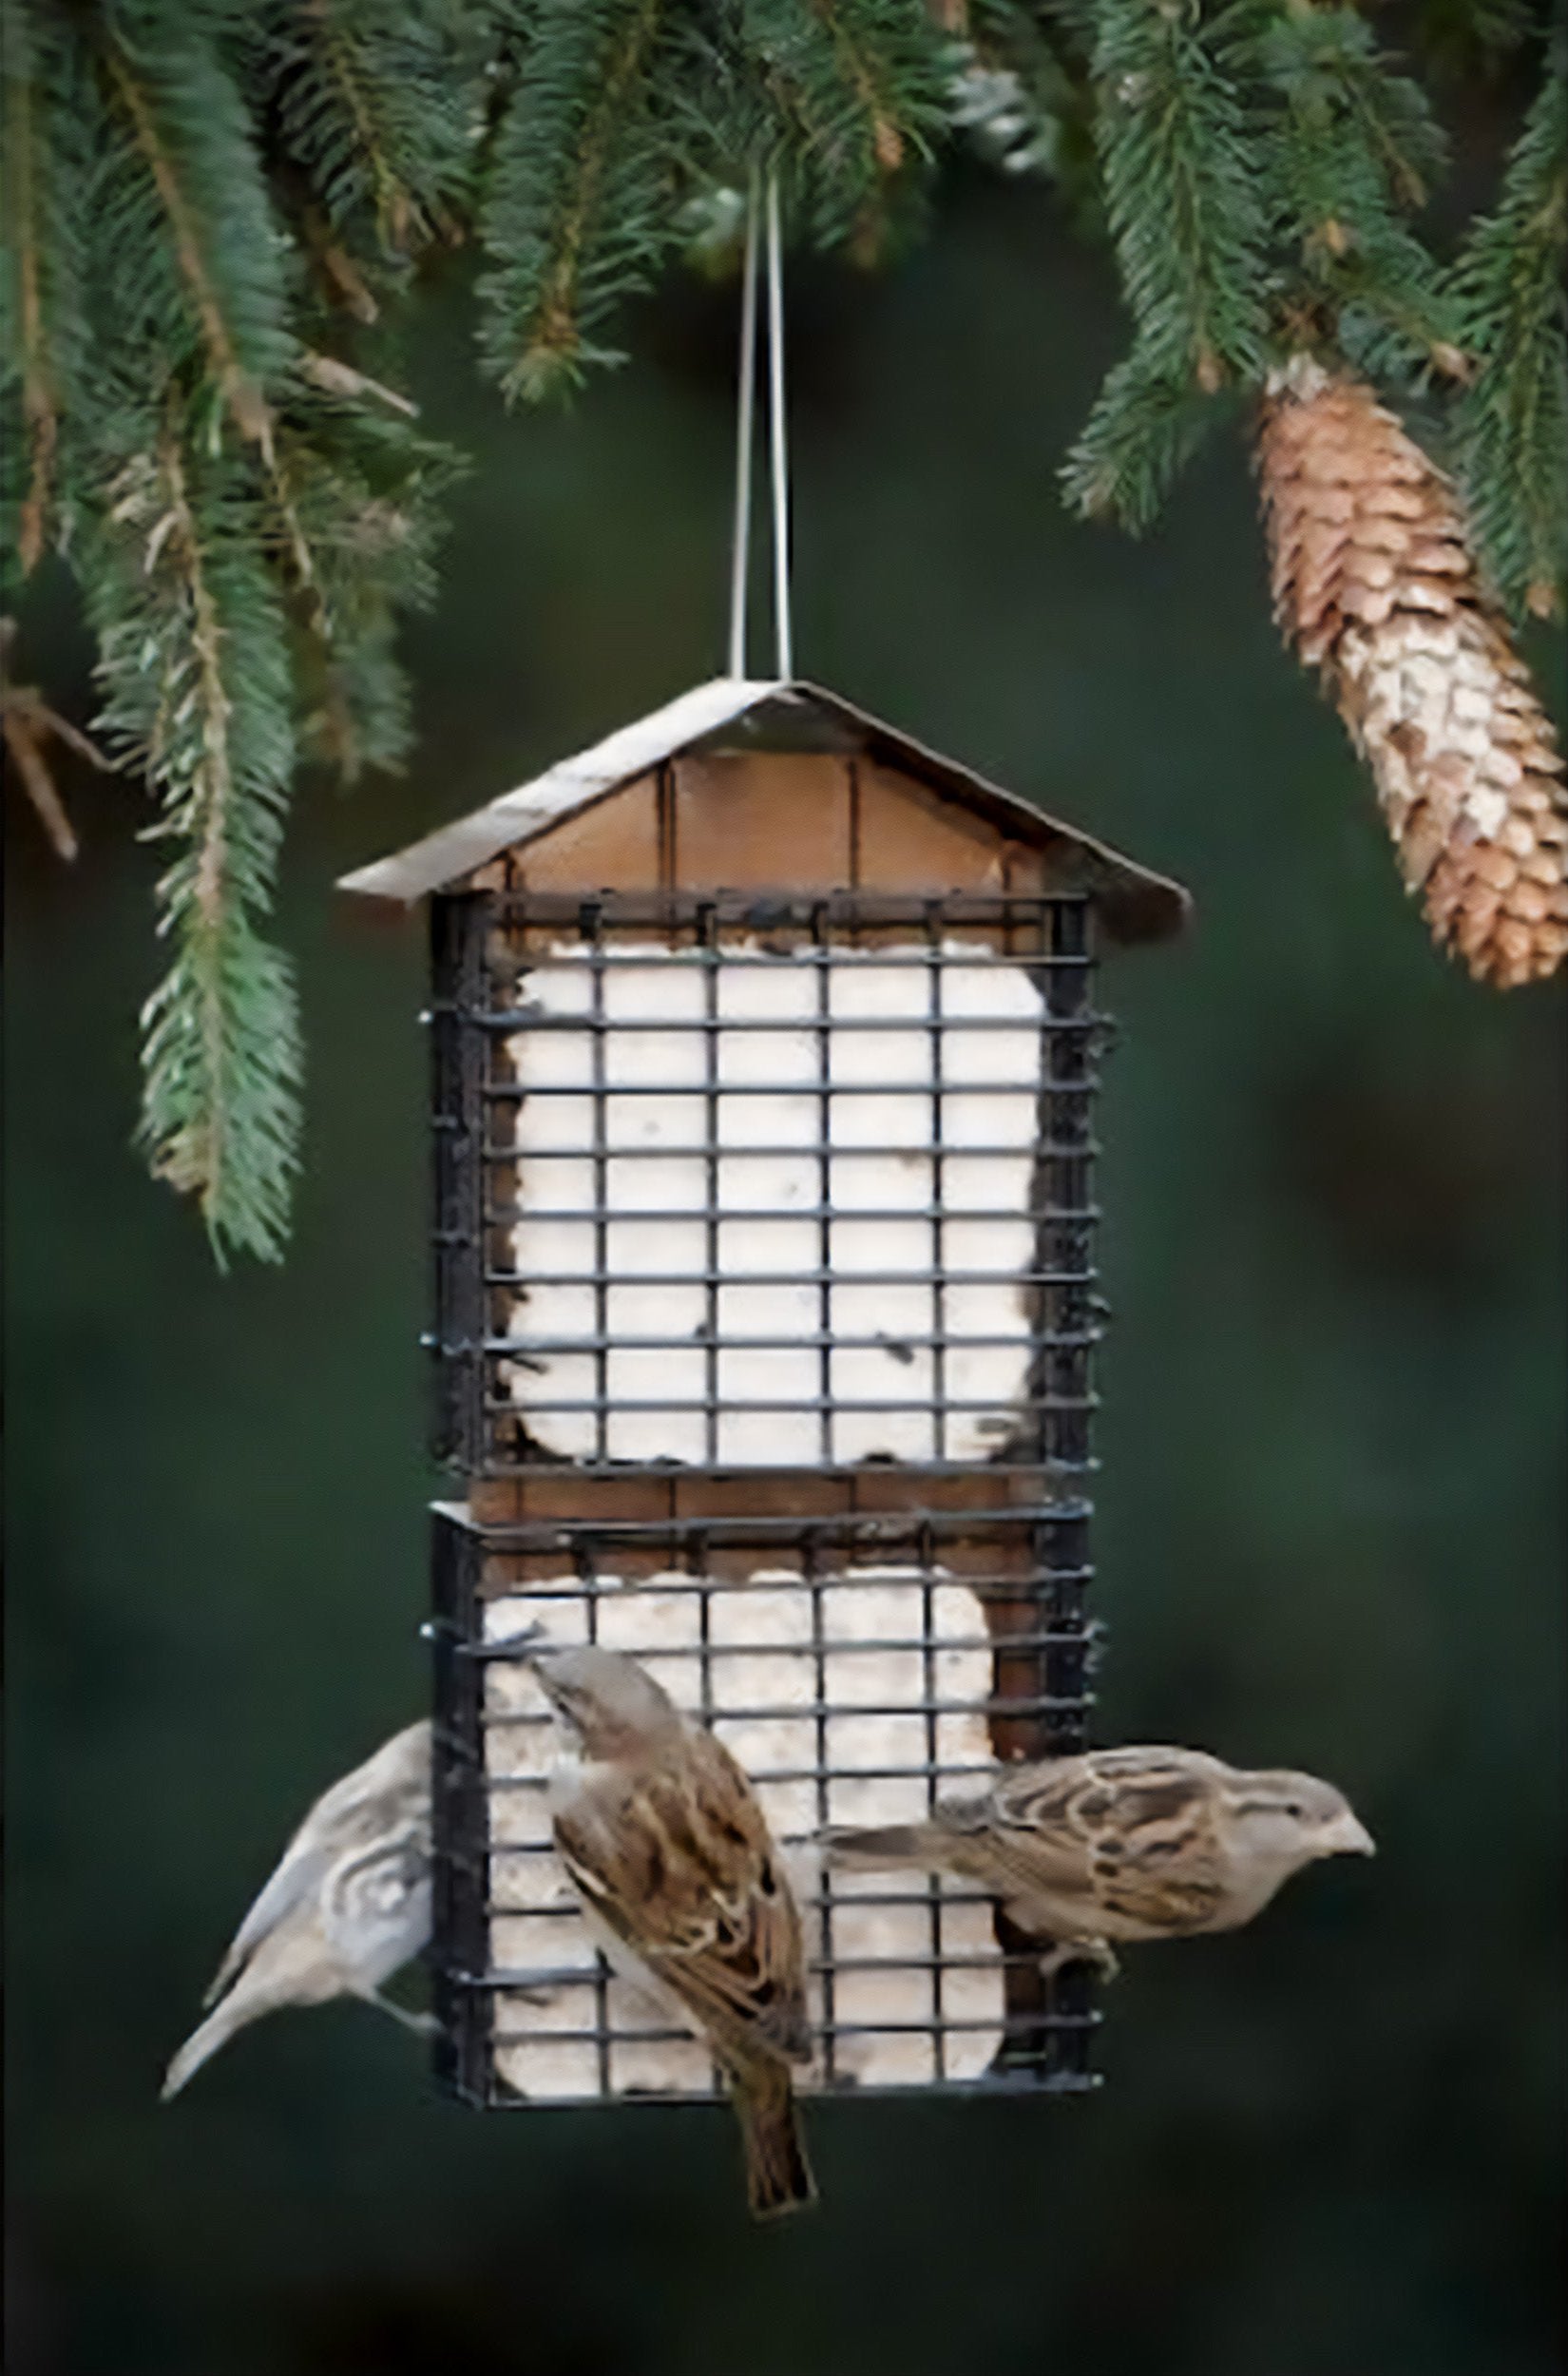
(731,1183)
(914,1983)
(765,1325)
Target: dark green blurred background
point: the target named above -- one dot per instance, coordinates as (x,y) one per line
(1332,1528)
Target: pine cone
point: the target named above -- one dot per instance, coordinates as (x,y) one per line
(1375,585)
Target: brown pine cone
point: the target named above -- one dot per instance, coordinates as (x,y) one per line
(1375,585)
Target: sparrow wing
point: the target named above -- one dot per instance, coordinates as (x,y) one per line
(350,1814)
(1120,1843)
(677,1858)
(296,1878)
(376,1899)
(1021,1842)
(1148,1819)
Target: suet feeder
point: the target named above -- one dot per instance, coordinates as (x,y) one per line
(765,1054)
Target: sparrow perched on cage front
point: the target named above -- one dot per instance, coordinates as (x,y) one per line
(662,1835)
(1121,1843)
(349,1904)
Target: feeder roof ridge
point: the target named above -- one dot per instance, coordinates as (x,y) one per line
(1135,903)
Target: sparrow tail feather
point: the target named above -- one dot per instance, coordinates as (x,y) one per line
(236,2013)
(778,2176)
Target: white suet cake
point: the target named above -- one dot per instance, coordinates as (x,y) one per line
(804,1154)
(831,1680)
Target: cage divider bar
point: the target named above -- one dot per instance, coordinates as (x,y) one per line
(696,1557)
(956,2025)
(589,925)
(459,1825)
(500,1653)
(511,1346)
(995,2082)
(809,1545)
(870,1529)
(530,1017)
(825,1190)
(927,1707)
(764,1089)
(792,1211)
(808,1277)
(752,910)
(505,1405)
(588,1574)
(1064,1548)
(806,1774)
(458,1060)
(710,1182)
(820,1782)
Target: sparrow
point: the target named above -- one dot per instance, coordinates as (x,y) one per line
(1121,1843)
(661,1834)
(349,1904)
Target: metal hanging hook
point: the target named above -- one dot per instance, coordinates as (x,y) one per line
(783,639)
(745,409)
(761,212)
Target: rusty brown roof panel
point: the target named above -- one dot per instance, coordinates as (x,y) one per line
(1136,903)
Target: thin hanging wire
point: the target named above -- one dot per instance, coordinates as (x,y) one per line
(745,409)
(782,637)
(778,437)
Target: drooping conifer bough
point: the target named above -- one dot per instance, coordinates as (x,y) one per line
(215,219)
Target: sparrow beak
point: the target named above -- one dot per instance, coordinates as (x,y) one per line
(543,1662)
(539,1660)
(1346,1836)
(516,1645)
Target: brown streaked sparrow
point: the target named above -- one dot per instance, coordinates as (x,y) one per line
(662,1835)
(349,1904)
(1121,1843)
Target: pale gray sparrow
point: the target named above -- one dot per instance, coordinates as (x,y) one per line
(349,1904)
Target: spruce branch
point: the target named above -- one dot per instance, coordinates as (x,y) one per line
(189,256)
(1511,425)
(853,90)
(1144,428)
(194,663)
(43,320)
(24,171)
(378,109)
(573,217)
(366,496)
(217,203)
(1181,192)
(1354,151)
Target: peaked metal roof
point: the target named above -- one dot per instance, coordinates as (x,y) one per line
(1136,905)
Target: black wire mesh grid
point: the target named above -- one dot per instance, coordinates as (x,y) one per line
(986,1587)
(821,1236)
(915,1983)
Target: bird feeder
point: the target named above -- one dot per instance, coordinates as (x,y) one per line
(764,1064)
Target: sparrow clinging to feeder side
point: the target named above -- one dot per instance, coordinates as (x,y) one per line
(348,1906)
(661,1833)
(1121,1845)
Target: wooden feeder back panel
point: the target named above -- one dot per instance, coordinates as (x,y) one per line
(750,821)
